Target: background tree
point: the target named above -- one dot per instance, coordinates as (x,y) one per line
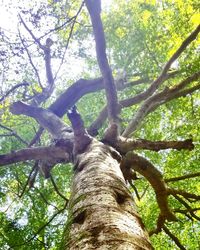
(151,94)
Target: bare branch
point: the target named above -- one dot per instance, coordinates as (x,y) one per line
(44,199)
(183,93)
(23,84)
(30,59)
(145,168)
(156,100)
(97,124)
(45,153)
(160,224)
(69,37)
(185,210)
(37,41)
(81,137)
(57,190)
(13,133)
(94,9)
(124,145)
(47,58)
(184,177)
(36,137)
(185,204)
(174,238)
(184,194)
(177,53)
(46,118)
(43,226)
(29,178)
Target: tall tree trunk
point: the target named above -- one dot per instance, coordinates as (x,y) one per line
(102,211)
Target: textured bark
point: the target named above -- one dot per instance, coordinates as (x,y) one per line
(102,211)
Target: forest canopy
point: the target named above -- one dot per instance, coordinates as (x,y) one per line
(149,88)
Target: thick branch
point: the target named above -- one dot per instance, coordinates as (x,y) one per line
(94,9)
(47,58)
(145,168)
(46,118)
(81,137)
(124,145)
(44,153)
(68,99)
(48,90)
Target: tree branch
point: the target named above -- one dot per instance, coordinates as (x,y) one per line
(68,99)
(13,133)
(94,9)
(177,53)
(81,137)
(69,37)
(185,204)
(97,124)
(47,58)
(155,178)
(37,41)
(173,237)
(156,100)
(143,109)
(43,226)
(31,174)
(184,194)
(23,84)
(30,59)
(57,190)
(184,177)
(124,145)
(37,153)
(47,119)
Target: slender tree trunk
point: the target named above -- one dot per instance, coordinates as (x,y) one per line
(102,211)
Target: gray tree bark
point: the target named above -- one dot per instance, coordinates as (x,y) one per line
(102,211)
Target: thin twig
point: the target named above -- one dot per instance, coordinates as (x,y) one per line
(42,227)
(28,179)
(68,39)
(173,237)
(57,190)
(30,59)
(184,177)
(14,88)
(13,133)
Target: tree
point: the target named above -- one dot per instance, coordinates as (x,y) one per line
(149,86)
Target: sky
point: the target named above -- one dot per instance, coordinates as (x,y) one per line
(8,14)
(9,24)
